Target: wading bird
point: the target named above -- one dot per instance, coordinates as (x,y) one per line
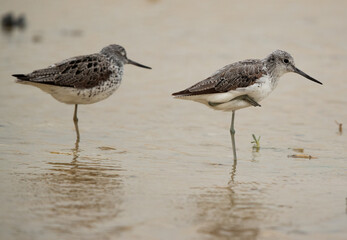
(83,79)
(242,84)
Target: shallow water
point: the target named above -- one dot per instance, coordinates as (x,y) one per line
(151,167)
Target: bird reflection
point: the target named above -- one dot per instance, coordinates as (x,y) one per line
(82,192)
(232,212)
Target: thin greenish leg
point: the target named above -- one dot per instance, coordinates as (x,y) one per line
(75,120)
(251,101)
(248,99)
(232,133)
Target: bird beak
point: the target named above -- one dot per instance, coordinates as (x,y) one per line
(298,71)
(137,64)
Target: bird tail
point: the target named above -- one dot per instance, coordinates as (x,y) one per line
(22,77)
(182,93)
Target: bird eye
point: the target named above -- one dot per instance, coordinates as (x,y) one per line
(286,60)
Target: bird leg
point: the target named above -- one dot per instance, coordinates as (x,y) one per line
(75,120)
(212,104)
(232,133)
(247,99)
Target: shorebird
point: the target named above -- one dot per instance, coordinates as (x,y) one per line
(83,79)
(242,84)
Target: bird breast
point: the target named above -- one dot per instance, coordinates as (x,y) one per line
(261,88)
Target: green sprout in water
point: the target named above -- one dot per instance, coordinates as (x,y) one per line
(256,144)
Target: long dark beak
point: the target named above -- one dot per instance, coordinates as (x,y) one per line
(298,71)
(137,64)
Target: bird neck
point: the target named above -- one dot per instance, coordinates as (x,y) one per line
(273,72)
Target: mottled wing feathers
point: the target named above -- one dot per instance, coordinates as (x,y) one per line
(236,75)
(80,72)
(87,71)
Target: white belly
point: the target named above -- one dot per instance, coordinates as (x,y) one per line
(77,96)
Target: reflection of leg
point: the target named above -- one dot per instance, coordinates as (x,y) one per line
(248,99)
(232,133)
(233,172)
(75,150)
(75,120)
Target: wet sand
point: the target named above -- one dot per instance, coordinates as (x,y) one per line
(152,167)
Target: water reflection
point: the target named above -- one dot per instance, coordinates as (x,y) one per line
(233,212)
(233,172)
(80,193)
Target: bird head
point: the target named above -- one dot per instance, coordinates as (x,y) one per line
(118,53)
(281,62)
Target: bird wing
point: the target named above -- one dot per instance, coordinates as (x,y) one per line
(232,76)
(79,72)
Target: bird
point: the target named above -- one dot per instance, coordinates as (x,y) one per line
(82,79)
(9,22)
(242,84)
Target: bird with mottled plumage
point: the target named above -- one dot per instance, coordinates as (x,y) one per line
(242,84)
(83,79)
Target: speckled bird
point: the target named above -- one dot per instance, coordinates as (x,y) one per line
(242,84)
(83,79)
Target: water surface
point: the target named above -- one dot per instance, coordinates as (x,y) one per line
(151,167)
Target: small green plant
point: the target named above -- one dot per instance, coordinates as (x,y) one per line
(256,144)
